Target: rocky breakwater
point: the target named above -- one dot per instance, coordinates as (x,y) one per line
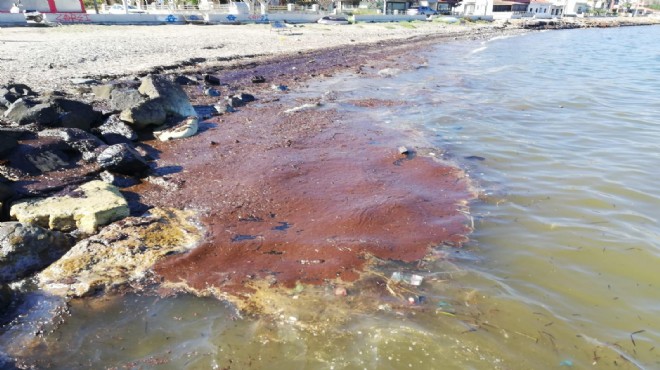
(64,159)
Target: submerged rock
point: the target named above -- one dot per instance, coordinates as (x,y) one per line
(26,248)
(93,204)
(121,253)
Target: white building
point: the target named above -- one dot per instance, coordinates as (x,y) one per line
(475,8)
(545,9)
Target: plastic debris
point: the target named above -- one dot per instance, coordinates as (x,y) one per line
(567,363)
(340,291)
(412,279)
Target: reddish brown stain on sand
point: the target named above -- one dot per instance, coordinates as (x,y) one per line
(309,209)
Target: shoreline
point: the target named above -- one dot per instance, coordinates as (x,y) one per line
(260,137)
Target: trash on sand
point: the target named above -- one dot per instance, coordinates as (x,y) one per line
(340,291)
(279,87)
(411,279)
(403,150)
(567,363)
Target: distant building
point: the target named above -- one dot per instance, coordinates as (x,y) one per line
(475,8)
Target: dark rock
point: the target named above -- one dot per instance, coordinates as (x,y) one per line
(122,158)
(81,141)
(247,98)
(75,114)
(258,79)
(84,81)
(211,80)
(25,249)
(211,92)
(24,111)
(6,192)
(184,80)
(7,97)
(173,98)
(121,99)
(43,155)
(12,92)
(115,131)
(9,139)
(21,90)
(239,100)
(235,101)
(118,180)
(148,113)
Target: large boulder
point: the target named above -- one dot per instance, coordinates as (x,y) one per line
(121,253)
(121,99)
(25,111)
(122,158)
(115,131)
(147,113)
(173,98)
(79,140)
(76,114)
(93,204)
(25,249)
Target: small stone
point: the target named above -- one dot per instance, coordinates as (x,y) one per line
(211,92)
(211,80)
(258,79)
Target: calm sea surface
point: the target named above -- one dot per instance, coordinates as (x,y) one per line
(560,132)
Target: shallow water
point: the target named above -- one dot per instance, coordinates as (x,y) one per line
(560,131)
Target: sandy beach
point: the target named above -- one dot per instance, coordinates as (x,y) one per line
(48,58)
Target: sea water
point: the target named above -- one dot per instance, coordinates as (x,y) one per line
(560,133)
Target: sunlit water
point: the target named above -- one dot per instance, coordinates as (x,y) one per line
(561,133)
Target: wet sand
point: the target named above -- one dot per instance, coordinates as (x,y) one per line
(309,197)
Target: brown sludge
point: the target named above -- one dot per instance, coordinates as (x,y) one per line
(303,198)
